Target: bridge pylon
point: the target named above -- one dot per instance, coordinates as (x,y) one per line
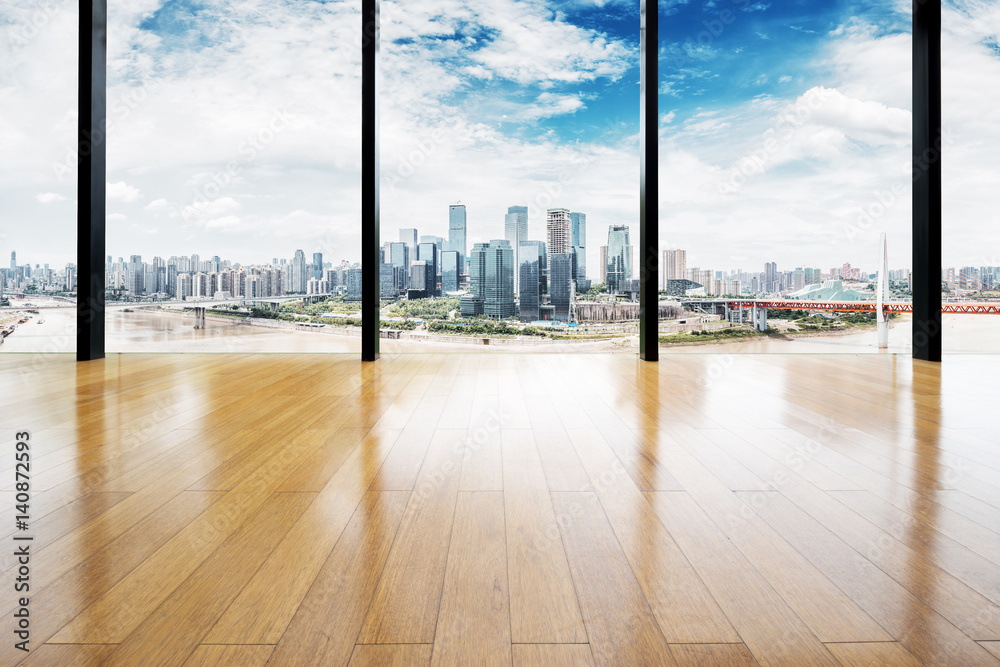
(882,293)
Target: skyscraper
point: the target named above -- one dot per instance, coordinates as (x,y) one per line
(557,232)
(457,232)
(13,261)
(492,273)
(578,229)
(428,252)
(561,284)
(317,270)
(399,257)
(674,265)
(516,233)
(529,290)
(299,276)
(771,277)
(451,263)
(353,284)
(136,278)
(408,235)
(619,258)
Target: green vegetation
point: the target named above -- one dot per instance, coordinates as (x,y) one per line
(482,328)
(263,313)
(695,337)
(337,304)
(427,309)
(356,322)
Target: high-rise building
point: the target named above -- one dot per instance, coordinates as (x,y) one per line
(183,288)
(13,261)
(543,265)
(516,232)
(427,251)
(70,283)
(557,231)
(579,254)
(578,229)
(492,272)
(561,284)
(771,283)
(299,275)
(353,285)
(399,257)
(408,236)
(457,233)
(136,277)
(602,266)
(317,266)
(386,280)
(451,264)
(619,258)
(529,284)
(419,280)
(674,265)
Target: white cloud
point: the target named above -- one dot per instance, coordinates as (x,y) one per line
(50,198)
(123,192)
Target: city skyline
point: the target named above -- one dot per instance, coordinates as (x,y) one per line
(549,120)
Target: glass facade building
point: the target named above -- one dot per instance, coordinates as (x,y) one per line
(561,284)
(619,258)
(529,284)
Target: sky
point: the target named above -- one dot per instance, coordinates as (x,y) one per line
(234,126)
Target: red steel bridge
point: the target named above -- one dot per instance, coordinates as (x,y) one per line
(866,306)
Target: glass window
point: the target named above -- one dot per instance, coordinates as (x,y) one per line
(234,177)
(38,126)
(970,63)
(509,148)
(784,157)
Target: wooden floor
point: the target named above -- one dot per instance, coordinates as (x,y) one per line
(508,509)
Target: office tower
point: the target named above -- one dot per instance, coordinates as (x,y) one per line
(353,285)
(674,265)
(427,251)
(409,237)
(492,274)
(195,264)
(317,270)
(172,276)
(529,285)
(159,276)
(386,280)
(516,232)
(578,229)
(419,280)
(457,232)
(771,283)
(299,276)
(70,283)
(579,254)
(399,257)
(543,265)
(451,263)
(561,284)
(183,286)
(619,259)
(557,231)
(13,261)
(136,277)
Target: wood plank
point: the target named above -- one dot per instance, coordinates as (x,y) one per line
(236,655)
(543,603)
(68,655)
(552,655)
(326,624)
(406,602)
(914,624)
(391,655)
(473,626)
(769,627)
(179,625)
(710,655)
(992,647)
(55,605)
(264,608)
(619,622)
(873,653)
(683,605)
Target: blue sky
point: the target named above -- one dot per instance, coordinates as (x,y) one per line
(496,103)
